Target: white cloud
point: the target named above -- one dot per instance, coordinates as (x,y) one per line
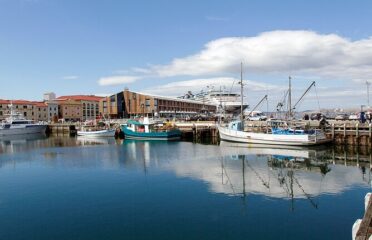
(117,80)
(102,94)
(195,85)
(277,52)
(72,77)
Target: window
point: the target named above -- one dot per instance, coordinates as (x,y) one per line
(112,99)
(1,113)
(147,102)
(25,114)
(155,102)
(134,96)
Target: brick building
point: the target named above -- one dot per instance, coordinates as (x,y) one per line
(79,107)
(128,103)
(31,110)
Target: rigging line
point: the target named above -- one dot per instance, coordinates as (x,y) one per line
(308,196)
(266,184)
(228,179)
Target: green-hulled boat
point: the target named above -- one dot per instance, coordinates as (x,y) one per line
(150,131)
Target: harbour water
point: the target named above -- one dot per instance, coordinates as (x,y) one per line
(76,188)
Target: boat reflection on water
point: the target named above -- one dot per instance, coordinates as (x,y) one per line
(13,143)
(285,173)
(87,141)
(230,168)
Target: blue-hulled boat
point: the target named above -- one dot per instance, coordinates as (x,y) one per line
(147,130)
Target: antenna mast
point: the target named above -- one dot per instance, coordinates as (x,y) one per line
(241,92)
(290,98)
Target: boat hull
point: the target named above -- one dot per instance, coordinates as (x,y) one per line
(164,136)
(94,134)
(31,129)
(272,139)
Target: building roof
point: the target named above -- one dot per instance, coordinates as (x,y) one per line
(40,104)
(80,98)
(16,102)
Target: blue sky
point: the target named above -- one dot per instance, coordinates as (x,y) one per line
(166,47)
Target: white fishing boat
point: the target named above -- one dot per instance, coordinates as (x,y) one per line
(275,136)
(16,124)
(277,132)
(98,133)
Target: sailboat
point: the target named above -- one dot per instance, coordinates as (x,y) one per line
(278,132)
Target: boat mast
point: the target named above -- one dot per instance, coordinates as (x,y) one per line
(241,92)
(290,99)
(368,83)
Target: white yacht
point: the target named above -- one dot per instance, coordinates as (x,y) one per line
(16,124)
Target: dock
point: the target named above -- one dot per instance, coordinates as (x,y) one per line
(362,228)
(341,132)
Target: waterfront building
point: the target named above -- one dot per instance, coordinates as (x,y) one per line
(70,110)
(52,111)
(79,107)
(29,109)
(113,106)
(49,96)
(129,103)
(40,111)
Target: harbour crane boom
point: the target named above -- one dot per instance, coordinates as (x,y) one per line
(258,104)
(303,95)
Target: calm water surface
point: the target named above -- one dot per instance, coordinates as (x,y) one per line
(68,188)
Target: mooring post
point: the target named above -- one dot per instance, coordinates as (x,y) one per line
(357,134)
(333,131)
(344,133)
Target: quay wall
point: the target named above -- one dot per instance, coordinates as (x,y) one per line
(341,132)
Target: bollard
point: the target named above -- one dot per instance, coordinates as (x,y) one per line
(333,131)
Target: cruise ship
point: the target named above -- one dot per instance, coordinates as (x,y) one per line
(16,124)
(228,103)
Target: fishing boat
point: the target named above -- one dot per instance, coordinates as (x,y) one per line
(16,124)
(276,135)
(146,130)
(277,132)
(98,133)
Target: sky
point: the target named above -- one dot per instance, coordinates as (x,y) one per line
(168,47)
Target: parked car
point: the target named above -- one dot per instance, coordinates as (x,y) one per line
(353,117)
(317,116)
(342,116)
(257,116)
